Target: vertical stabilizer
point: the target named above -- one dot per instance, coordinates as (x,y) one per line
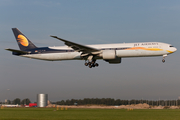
(23,42)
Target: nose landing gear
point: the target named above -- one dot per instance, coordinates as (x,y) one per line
(163,60)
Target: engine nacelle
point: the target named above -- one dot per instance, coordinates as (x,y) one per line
(109,54)
(114,61)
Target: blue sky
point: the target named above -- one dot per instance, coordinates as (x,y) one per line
(90,22)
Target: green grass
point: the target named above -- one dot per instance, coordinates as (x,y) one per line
(87,114)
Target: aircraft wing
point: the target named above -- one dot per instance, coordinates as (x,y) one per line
(17,51)
(78,47)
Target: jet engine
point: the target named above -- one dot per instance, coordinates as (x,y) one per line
(114,61)
(110,56)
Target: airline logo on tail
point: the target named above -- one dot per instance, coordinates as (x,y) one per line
(22,40)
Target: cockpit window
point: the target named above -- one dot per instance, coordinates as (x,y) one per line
(171,46)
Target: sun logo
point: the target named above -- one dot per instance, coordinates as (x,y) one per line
(21,39)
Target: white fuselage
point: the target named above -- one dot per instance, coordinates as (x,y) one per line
(123,50)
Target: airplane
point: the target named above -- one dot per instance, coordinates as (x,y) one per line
(112,53)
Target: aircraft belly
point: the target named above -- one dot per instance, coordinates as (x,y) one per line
(55,56)
(138,53)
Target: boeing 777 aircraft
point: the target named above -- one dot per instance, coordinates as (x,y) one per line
(111,53)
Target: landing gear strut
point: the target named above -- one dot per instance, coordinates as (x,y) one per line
(163,60)
(91,62)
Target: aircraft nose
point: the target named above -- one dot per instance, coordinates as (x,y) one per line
(174,49)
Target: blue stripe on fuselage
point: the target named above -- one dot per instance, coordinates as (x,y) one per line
(44,50)
(48,50)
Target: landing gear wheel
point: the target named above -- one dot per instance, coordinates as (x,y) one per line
(91,63)
(96,64)
(90,66)
(86,64)
(163,60)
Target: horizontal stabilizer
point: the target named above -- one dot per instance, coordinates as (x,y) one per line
(17,51)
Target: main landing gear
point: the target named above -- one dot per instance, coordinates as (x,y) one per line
(163,60)
(91,64)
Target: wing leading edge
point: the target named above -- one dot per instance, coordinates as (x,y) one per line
(78,47)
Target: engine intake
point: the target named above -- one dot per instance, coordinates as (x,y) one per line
(109,54)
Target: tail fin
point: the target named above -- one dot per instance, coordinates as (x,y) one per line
(23,42)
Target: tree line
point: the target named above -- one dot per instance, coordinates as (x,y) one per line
(100,101)
(18,101)
(111,101)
